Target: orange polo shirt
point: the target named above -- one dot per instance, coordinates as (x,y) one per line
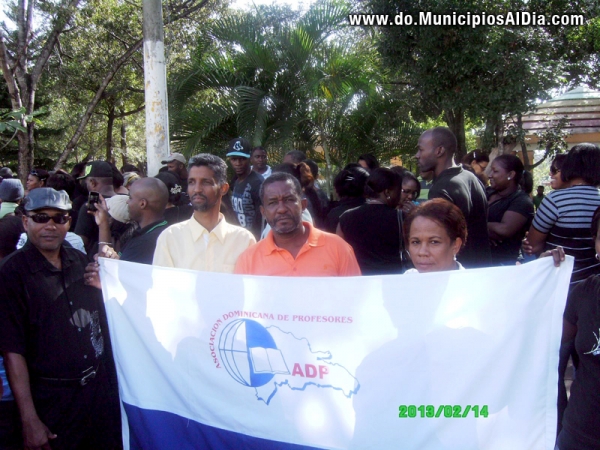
(322,255)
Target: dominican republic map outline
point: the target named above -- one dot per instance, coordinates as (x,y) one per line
(243,340)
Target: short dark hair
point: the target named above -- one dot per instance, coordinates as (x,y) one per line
(595,223)
(444,137)
(558,161)
(511,163)
(527,182)
(370,159)
(408,175)
(257,148)
(281,176)
(78,169)
(381,179)
(130,168)
(314,167)
(441,211)
(476,155)
(62,182)
(296,155)
(214,163)
(117,176)
(351,182)
(583,161)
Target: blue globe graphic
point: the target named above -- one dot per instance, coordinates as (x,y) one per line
(234,343)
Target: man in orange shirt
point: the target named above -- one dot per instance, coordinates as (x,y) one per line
(293,247)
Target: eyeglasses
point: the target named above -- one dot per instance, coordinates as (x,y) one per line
(59,219)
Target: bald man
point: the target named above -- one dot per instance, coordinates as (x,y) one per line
(148,198)
(147,201)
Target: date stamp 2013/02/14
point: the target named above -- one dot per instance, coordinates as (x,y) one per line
(448,411)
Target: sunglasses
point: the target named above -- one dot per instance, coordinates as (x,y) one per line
(59,219)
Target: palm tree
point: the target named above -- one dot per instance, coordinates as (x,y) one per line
(286,80)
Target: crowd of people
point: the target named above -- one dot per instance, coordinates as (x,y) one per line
(59,385)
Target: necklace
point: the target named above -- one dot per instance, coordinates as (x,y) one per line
(372,201)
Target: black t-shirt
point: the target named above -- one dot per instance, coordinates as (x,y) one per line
(245,201)
(49,315)
(465,190)
(373,231)
(78,203)
(582,416)
(178,214)
(507,250)
(86,227)
(333,218)
(140,247)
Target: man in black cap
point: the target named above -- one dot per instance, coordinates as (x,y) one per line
(98,176)
(54,336)
(245,198)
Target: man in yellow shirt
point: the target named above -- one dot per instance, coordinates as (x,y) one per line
(205,242)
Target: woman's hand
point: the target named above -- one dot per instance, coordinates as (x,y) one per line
(558,254)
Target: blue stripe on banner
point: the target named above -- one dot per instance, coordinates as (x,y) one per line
(160,430)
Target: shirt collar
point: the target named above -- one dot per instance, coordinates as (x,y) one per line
(153,225)
(312,241)
(198,230)
(38,262)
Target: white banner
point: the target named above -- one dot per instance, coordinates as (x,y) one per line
(451,360)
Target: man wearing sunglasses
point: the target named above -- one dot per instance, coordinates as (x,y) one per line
(54,336)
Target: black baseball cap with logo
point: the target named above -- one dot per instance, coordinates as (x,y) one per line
(97,169)
(239,147)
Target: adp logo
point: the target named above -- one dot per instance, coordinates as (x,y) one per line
(251,356)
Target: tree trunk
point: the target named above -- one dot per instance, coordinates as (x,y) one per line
(491,133)
(455,118)
(124,159)
(521,138)
(94,102)
(109,133)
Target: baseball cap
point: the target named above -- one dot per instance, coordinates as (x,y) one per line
(239,147)
(175,157)
(47,198)
(11,190)
(97,169)
(117,208)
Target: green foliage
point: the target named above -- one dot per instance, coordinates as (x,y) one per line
(287,80)
(481,73)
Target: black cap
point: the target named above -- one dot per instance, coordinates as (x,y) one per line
(239,147)
(41,198)
(97,169)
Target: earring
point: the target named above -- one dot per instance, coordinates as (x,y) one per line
(454,257)
(508,178)
(597,256)
(388,197)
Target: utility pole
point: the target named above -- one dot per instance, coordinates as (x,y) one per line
(155,86)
